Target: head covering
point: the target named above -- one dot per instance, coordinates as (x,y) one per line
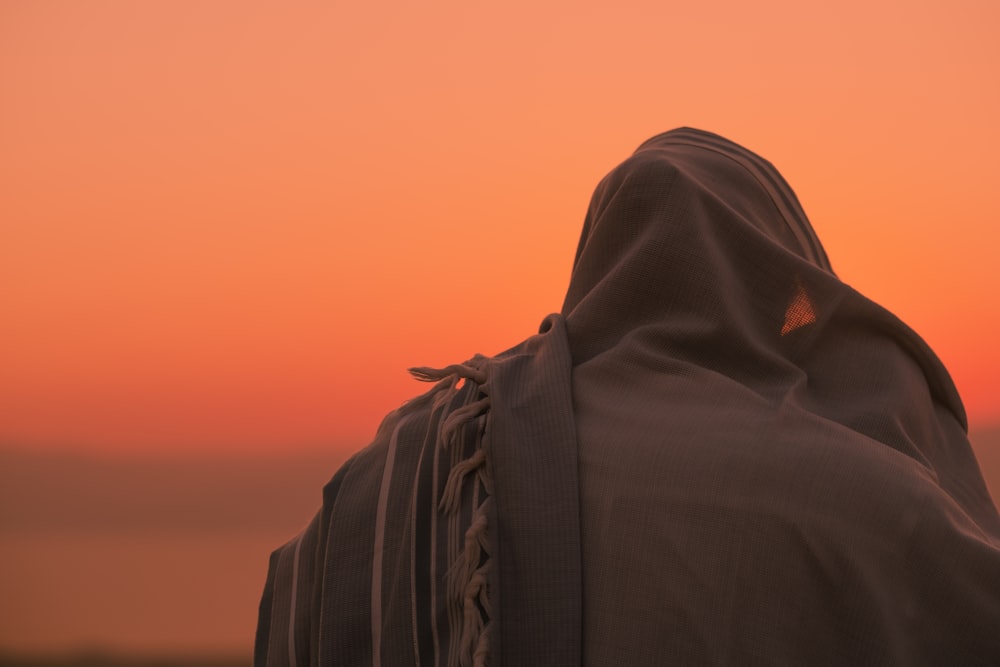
(774,467)
(718,453)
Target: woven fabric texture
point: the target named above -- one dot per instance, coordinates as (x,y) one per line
(717,453)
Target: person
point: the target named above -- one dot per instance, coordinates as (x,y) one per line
(717,453)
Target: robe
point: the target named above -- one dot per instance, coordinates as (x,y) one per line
(716,453)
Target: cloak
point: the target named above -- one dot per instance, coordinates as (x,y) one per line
(717,453)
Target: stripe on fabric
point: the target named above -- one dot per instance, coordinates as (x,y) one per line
(292,661)
(376,595)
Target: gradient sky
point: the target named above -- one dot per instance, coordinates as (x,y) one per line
(230,226)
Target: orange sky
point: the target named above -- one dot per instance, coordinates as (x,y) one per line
(232,225)
(228,226)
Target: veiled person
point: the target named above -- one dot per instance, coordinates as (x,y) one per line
(717,453)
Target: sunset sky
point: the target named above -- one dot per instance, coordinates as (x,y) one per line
(228,227)
(233,225)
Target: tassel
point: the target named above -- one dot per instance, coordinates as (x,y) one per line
(427,374)
(482,653)
(453,487)
(467,576)
(473,623)
(459,417)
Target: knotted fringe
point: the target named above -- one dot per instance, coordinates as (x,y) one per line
(468,575)
(453,487)
(468,585)
(426,374)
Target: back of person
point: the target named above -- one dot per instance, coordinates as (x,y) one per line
(717,453)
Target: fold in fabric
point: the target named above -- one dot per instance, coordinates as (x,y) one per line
(718,453)
(451,520)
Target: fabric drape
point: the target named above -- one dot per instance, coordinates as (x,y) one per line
(717,453)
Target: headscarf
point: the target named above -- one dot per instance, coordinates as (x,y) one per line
(775,468)
(717,453)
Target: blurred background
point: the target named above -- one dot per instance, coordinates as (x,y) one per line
(228,227)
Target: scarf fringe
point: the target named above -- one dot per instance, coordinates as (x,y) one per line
(451,430)
(468,584)
(468,575)
(453,487)
(427,374)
